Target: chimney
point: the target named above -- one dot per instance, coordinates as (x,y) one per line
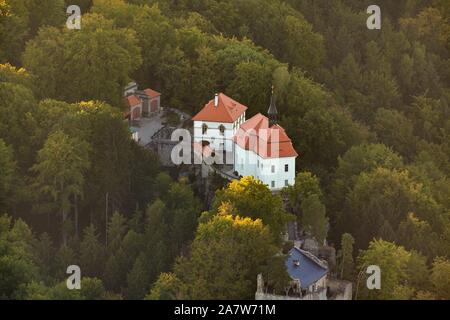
(216,100)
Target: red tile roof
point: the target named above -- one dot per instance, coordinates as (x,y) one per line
(227,111)
(133,101)
(273,142)
(152,93)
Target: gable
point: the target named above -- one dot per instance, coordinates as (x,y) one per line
(226,111)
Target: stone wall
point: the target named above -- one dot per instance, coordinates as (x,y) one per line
(340,289)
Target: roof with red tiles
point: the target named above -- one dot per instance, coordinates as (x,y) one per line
(133,101)
(152,93)
(268,142)
(226,111)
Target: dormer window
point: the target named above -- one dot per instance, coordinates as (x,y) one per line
(222,130)
(204,129)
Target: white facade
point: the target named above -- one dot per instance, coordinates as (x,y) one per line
(276,173)
(219,135)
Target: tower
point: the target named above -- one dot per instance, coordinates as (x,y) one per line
(272,113)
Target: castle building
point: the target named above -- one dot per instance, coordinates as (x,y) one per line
(217,123)
(259,146)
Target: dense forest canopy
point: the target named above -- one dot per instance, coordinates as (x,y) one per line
(368,111)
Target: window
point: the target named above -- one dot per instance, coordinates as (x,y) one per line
(204,129)
(273,184)
(286,168)
(222,130)
(257,164)
(286,183)
(273,169)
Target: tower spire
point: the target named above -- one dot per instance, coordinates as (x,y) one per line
(273,112)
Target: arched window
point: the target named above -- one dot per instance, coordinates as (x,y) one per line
(222,130)
(204,128)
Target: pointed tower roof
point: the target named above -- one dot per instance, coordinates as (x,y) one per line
(273,112)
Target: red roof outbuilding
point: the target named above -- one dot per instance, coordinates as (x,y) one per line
(133,101)
(152,93)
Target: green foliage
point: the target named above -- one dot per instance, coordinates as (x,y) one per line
(417,234)
(45,13)
(238,245)
(91,289)
(15,120)
(395,131)
(306,185)
(44,256)
(7,174)
(345,257)
(113,53)
(181,215)
(339,89)
(13,29)
(138,279)
(359,159)
(167,287)
(60,170)
(251,85)
(440,278)
(326,135)
(117,229)
(16,258)
(91,253)
(65,256)
(276,275)
(314,220)
(251,198)
(384,196)
(395,265)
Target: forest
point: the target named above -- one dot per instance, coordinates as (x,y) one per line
(367,110)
